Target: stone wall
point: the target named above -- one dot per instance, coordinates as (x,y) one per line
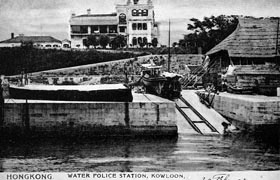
(247,109)
(113,72)
(97,119)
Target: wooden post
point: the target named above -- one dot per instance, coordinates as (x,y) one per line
(1,107)
(26,117)
(158,115)
(126,118)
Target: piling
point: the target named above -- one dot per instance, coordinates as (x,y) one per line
(1,107)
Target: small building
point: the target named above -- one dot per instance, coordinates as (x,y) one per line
(134,20)
(45,42)
(253,49)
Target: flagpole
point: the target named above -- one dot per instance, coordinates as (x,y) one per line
(169,58)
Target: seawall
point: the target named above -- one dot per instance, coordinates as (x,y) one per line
(246,111)
(147,115)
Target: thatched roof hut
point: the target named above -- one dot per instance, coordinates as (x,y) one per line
(254,49)
(253,38)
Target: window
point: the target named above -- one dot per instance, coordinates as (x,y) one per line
(75,29)
(134,41)
(122,18)
(94,29)
(139,40)
(84,29)
(145,12)
(103,29)
(122,29)
(144,26)
(66,46)
(140,12)
(134,12)
(134,26)
(112,29)
(145,40)
(48,45)
(55,45)
(139,26)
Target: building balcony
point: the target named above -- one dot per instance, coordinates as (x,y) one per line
(97,34)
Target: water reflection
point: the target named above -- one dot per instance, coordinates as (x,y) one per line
(190,152)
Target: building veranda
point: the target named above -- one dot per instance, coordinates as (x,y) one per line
(134,21)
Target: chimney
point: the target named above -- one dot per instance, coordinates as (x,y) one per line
(135,1)
(73,15)
(128,2)
(12,35)
(88,11)
(150,2)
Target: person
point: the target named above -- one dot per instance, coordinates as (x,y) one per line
(226,131)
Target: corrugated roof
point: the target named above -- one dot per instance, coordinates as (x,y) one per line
(95,19)
(253,37)
(34,39)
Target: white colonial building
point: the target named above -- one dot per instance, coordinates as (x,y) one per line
(135,20)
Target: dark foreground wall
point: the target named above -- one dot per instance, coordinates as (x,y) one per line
(89,119)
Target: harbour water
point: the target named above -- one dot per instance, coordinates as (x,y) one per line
(189,152)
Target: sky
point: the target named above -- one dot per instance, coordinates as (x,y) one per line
(51,17)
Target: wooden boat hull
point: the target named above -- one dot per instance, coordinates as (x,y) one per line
(153,81)
(111,95)
(154,85)
(237,90)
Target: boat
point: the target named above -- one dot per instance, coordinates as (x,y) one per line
(155,82)
(152,79)
(102,92)
(240,90)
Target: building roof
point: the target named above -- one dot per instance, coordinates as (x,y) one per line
(95,19)
(34,39)
(253,37)
(66,40)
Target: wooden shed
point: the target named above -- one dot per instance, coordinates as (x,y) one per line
(254,50)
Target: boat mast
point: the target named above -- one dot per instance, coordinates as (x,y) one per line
(169,59)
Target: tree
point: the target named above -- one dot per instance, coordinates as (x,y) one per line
(155,42)
(208,32)
(104,41)
(182,43)
(174,44)
(27,44)
(92,41)
(118,41)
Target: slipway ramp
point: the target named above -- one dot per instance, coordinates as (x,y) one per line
(200,118)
